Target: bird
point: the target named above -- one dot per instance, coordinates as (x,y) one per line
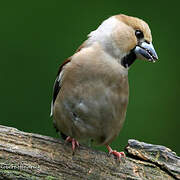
(91,90)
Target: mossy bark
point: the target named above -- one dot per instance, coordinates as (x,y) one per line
(32,156)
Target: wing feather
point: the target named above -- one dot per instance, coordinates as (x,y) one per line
(57,84)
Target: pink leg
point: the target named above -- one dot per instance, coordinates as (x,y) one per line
(73,142)
(119,155)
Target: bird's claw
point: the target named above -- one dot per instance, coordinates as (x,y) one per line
(117,154)
(73,142)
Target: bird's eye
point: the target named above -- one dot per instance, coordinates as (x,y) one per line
(139,34)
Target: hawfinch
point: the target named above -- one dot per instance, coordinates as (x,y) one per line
(91,89)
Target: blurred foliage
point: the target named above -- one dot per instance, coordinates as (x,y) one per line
(36,36)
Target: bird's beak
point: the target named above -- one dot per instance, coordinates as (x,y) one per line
(146,51)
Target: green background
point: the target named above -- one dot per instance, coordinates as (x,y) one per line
(36,36)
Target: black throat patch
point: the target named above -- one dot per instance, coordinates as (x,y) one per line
(128,59)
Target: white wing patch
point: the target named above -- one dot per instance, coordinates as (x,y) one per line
(56,88)
(52,105)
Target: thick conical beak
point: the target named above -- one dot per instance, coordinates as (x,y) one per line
(146,51)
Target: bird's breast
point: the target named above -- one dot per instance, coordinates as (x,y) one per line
(93,105)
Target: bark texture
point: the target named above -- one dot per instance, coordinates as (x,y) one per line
(32,156)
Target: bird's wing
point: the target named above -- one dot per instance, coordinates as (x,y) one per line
(57,83)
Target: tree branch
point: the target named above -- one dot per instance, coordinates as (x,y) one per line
(32,156)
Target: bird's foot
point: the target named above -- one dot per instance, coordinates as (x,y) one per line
(73,142)
(117,154)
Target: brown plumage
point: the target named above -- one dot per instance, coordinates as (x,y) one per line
(91,90)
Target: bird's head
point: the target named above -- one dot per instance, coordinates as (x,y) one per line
(126,38)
